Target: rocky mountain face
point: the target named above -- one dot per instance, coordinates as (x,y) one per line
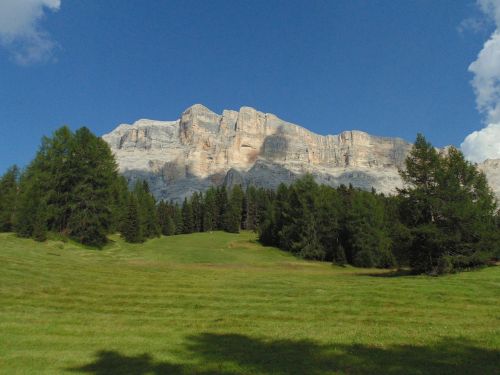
(249,147)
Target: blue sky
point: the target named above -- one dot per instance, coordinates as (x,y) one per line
(391,68)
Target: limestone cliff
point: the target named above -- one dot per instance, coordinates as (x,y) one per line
(203,148)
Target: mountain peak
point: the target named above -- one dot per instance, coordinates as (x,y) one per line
(198,108)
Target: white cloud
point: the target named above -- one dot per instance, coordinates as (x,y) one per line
(20,30)
(485,143)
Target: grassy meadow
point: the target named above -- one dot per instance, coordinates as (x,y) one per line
(219,303)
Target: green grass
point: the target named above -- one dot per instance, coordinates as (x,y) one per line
(218,303)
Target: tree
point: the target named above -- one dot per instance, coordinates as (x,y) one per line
(73,176)
(209,210)
(40,223)
(366,241)
(187,217)
(8,198)
(221,206)
(197,209)
(131,226)
(232,214)
(94,172)
(450,210)
(170,227)
(147,210)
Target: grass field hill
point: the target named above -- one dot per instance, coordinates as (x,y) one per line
(219,303)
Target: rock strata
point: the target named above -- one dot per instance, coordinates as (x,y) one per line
(203,149)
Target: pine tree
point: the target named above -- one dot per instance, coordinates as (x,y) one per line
(131,228)
(187,217)
(73,175)
(197,208)
(209,210)
(8,198)
(250,204)
(221,204)
(366,241)
(118,204)
(450,210)
(94,171)
(170,227)
(147,210)
(178,220)
(40,223)
(232,214)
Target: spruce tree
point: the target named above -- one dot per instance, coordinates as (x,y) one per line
(178,220)
(40,223)
(94,172)
(131,228)
(187,217)
(147,210)
(197,209)
(209,210)
(450,210)
(8,198)
(73,175)
(232,214)
(170,227)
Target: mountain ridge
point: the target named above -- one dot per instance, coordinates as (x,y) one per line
(203,149)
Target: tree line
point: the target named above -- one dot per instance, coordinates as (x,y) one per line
(72,189)
(444,219)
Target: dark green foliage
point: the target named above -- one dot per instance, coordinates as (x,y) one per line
(169,227)
(119,203)
(450,210)
(40,223)
(148,217)
(233,212)
(365,238)
(197,210)
(221,206)
(178,220)
(93,173)
(187,217)
(131,226)
(250,215)
(209,211)
(72,175)
(8,198)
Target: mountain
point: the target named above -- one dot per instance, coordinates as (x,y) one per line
(246,147)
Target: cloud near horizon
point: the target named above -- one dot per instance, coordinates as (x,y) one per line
(20,31)
(485,143)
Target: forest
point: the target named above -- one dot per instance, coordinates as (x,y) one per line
(444,219)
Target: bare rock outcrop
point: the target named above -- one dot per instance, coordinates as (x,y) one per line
(203,149)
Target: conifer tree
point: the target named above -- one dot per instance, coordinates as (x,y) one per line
(178,219)
(209,210)
(197,209)
(8,198)
(147,210)
(170,227)
(93,171)
(72,174)
(232,214)
(221,203)
(450,210)
(131,228)
(187,217)
(40,223)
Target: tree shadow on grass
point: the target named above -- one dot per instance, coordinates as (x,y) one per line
(232,354)
(391,273)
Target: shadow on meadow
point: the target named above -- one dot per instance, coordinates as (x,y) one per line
(232,354)
(392,273)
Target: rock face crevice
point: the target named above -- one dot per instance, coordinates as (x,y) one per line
(203,149)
